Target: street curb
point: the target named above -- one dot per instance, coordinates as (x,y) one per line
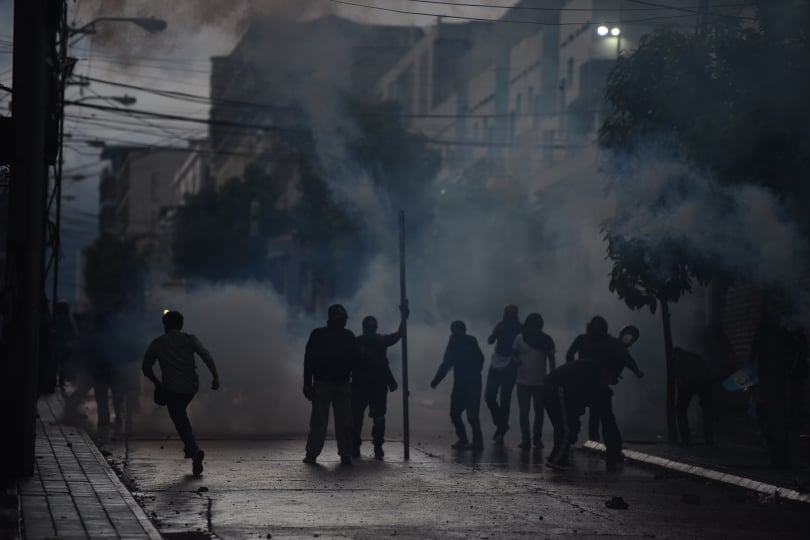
(709,474)
(148,527)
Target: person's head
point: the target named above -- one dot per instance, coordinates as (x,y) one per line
(597,327)
(458,328)
(629,335)
(534,322)
(369,326)
(172,320)
(337,316)
(510,312)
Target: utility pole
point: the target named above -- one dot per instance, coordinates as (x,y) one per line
(703,22)
(35,23)
(403,297)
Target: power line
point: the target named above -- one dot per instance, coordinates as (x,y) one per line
(509,21)
(695,11)
(552,9)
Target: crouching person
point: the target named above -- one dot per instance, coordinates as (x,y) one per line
(174,352)
(567,391)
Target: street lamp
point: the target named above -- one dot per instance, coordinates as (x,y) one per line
(616,32)
(64,70)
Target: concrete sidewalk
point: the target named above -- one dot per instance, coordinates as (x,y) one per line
(732,464)
(74,493)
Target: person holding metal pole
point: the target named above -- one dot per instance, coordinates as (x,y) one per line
(371,382)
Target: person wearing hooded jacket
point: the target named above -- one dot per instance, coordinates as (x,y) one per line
(502,371)
(372,381)
(533,353)
(597,340)
(464,357)
(330,357)
(612,356)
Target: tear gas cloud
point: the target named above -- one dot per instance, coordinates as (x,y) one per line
(476,255)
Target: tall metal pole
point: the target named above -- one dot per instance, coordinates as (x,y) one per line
(403,297)
(63,75)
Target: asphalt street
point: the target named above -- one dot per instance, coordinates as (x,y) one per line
(260,487)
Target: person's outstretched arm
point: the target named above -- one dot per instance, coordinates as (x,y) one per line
(444,368)
(208,361)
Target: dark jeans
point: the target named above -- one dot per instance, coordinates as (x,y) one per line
(373,397)
(500,380)
(177,404)
(685,393)
(563,413)
(338,397)
(526,394)
(466,397)
(602,407)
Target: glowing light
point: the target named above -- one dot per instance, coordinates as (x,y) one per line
(602,30)
(165,311)
(615,32)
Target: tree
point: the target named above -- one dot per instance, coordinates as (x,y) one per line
(643,276)
(730,102)
(113,273)
(218,232)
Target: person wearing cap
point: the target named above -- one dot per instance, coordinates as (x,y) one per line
(464,357)
(174,352)
(330,358)
(502,371)
(371,382)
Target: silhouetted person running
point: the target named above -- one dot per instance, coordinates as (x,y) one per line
(371,382)
(331,356)
(502,371)
(464,357)
(174,353)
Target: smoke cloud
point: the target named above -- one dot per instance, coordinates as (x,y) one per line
(481,250)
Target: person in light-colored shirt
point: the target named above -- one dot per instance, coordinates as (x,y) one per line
(533,352)
(174,352)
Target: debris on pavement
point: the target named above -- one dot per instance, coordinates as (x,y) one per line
(616,503)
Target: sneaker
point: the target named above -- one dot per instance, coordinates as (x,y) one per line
(378,451)
(345,460)
(459,445)
(525,444)
(197,463)
(558,466)
(310,460)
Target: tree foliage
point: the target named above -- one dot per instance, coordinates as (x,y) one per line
(214,239)
(113,273)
